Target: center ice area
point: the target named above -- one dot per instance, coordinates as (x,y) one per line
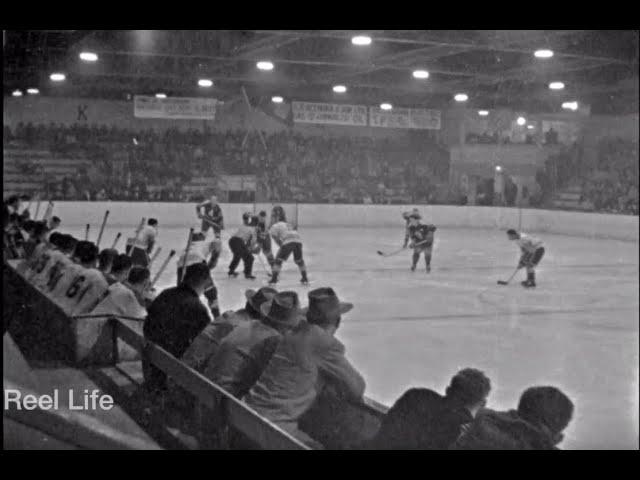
(577,330)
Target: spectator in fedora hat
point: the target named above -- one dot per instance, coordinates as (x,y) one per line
(207,342)
(246,351)
(306,359)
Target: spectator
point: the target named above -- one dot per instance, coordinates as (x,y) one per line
(542,415)
(306,360)
(175,318)
(205,345)
(244,353)
(422,419)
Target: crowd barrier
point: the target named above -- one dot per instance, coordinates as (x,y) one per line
(591,225)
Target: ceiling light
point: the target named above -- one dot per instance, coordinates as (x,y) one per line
(483,113)
(161,95)
(88,56)
(57,77)
(33,91)
(205,82)
(461,97)
(277,99)
(16,93)
(386,106)
(421,74)
(521,121)
(570,106)
(361,40)
(339,89)
(264,65)
(544,53)
(556,85)
(498,168)
(530,127)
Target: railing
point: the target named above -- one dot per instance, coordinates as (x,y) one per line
(238,415)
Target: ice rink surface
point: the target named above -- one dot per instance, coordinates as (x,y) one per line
(577,330)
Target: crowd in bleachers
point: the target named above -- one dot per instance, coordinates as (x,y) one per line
(293,167)
(613,186)
(279,357)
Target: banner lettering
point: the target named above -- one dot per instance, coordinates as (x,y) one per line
(175,108)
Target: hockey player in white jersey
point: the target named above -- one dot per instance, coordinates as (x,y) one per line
(532,252)
(289,241)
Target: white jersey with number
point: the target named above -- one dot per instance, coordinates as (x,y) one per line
(40,269)
(91,288)
(56,289)
(61,265)
(284,233)
(528,243)
(120,300)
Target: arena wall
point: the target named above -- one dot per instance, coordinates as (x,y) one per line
(591,225)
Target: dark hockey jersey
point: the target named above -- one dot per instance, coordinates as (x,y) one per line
(214,212)
(422,233)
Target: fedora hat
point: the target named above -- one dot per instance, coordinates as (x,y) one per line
(324,304)
(282,309)
(256,298)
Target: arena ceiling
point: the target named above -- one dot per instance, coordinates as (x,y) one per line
(495,68)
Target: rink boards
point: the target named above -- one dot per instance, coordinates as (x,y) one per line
(591,225)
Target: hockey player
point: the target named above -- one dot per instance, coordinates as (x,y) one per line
(264,239)
(199,251)
(212,216)
(532,252)
(288,240)
(421,237)
(406,216)
(243,244)
(143,244)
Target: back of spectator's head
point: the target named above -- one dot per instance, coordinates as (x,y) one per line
(14,219)
(28,226)
(138,276)
(469,387)
(547,406)
(197,276)
(105,259)
(325,308)
(55,221)
(153,222)
(121,265)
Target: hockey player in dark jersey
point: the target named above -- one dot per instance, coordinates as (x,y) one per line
(212,216)
(421,237)
(264,239)
(243,244)
(406,216)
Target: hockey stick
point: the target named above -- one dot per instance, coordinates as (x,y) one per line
(116,240)
(390,254)
(135,238)
(104,222)
(155,255)
(264,267)
(162,269)
(86,232)
(506,282)
(35,216)
(186,253)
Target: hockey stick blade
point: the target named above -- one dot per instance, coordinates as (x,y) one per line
(502,282)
